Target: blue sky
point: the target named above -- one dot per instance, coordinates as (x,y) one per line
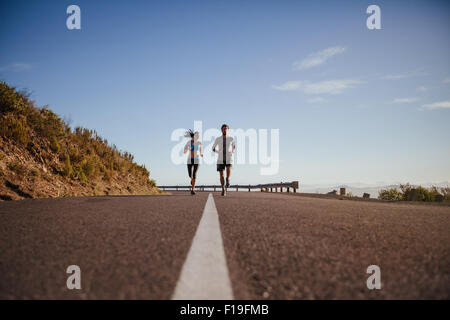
(351,104)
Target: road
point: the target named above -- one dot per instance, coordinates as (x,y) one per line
(276,246)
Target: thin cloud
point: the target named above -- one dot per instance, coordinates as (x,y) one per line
(317,100)
(317,58)
(321,87)
(446,80)
(437,105)
(404,75)
(404,100)
(17,67)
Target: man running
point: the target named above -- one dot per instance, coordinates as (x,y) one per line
(226,148)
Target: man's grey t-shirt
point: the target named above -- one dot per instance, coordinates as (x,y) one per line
(230,147)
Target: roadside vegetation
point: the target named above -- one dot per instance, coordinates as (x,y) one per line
(36,142)
(407,192)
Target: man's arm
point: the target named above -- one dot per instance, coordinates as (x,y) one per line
(214,146)
(186,147)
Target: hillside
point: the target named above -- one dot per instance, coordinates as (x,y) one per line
(41,156)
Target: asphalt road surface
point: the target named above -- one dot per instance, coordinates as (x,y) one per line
(276,246)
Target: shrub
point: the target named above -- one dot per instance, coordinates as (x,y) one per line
(68,170)
(408,192)
(13,128)
(434,193)
(79,174)
(90,167)
(389,194)
(11,100)
(54,145)
(405,191)
(446,193)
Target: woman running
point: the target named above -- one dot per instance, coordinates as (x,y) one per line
(195,148)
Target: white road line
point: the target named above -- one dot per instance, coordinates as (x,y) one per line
(205,274)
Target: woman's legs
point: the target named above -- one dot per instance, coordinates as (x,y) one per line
(189,167)
(194,176)
(192,171)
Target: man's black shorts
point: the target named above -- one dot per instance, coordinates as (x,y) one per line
(221,167)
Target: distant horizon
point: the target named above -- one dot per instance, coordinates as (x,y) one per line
(350,104)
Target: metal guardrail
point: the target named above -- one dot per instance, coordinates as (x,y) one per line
(268,187)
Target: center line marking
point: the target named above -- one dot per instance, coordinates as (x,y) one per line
(204,275)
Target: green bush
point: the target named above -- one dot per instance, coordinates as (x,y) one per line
(446,193)
(408,192)
(54,145)
(14,128)
(90,167)
(11,100)
(79,174)
(389,194)
(68,170)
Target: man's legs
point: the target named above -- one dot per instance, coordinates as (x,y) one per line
(220,168)
(228,176)
(222,181)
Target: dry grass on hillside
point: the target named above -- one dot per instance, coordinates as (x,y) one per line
(41,156)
